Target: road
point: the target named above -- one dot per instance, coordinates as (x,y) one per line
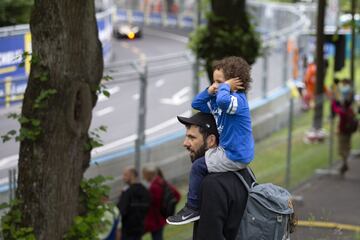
(168,95)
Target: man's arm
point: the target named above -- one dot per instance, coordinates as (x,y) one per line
(213,211)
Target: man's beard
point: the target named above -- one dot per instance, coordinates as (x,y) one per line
(199,153)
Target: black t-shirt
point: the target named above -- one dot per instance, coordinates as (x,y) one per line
(222,205)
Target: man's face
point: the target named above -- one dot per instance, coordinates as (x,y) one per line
(126,176)
(194,143)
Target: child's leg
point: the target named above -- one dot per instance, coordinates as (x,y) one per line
(216,161)
(190,212)
(197,174)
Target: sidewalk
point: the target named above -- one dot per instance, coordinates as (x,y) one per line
(330,209)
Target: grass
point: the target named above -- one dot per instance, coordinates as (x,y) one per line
(269,164)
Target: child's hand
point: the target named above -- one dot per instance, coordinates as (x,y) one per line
(235,84)
(213,88)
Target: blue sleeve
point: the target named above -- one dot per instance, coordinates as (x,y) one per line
(202,101)
(230,103)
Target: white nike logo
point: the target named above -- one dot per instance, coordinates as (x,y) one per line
(186,217)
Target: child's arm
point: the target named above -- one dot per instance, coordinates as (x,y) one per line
(227,102)
(202,101)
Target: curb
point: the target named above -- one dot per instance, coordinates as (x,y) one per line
(331,225)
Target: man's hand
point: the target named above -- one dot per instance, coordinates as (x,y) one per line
(213,88)
(235,84)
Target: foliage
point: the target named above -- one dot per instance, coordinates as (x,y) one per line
(225,35)
(10,223)
(14,12)
(87,226)
(30,127)
(94,138)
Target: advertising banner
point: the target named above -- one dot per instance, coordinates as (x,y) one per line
(14,74)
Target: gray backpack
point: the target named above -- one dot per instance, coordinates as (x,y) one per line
(267,214)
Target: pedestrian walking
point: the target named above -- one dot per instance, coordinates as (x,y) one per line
(347,126)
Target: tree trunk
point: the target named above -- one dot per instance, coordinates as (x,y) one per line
(320,73)
(66,57)
(353,43)
(230,14)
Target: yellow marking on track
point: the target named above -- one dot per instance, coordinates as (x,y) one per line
(7,69)
(320,224)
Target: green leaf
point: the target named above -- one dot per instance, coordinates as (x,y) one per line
(106,93)
(103,128)
(4,205)
(5,138)
(35,122)
(12,132)
(13,116)
(23,120)
(107,78)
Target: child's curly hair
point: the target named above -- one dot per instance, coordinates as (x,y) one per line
(233,67)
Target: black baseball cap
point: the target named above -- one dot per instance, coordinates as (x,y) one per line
(204,120)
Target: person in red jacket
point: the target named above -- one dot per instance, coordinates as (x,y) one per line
(346,127)
(155,221)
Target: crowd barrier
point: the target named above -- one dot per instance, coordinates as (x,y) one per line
(15,65)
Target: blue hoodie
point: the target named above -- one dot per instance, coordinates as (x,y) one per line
(233,119)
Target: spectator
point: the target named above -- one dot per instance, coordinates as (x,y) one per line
(155,221)
(226,100)
(346,91)
(346,127)
(223,197)
(133,204)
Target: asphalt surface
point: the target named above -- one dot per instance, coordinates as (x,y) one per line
(330,209)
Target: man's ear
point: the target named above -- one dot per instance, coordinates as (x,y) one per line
(211,141)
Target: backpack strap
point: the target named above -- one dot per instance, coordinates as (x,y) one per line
(244,181)
(251,174)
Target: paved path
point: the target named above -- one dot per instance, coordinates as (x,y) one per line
(331,206)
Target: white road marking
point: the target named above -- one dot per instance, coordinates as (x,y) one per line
(178,98)
(112,91)
(136,96)
(7,160)
(170,36)
(132,137)
(159,83)
(104,111)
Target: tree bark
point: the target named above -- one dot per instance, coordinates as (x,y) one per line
(320,73)
(353,44)
(67,51)
(229,16)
